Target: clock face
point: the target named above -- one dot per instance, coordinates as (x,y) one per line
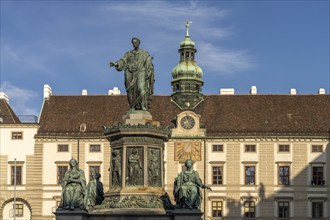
(187,122)
(187,150)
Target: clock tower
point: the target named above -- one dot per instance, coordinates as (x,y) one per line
(187,76)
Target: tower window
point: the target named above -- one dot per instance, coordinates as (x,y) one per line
(187,55)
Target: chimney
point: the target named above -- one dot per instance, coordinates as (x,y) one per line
(47,91)
(321,91)
(293,91)
(4,96)
(114,91)
(84,92)
(253,90)
(227,91)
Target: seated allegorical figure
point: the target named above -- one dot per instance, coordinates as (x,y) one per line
(94,192)
(73,187)
(187,185)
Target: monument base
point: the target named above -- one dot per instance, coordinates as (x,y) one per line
(136,117)
(130,214)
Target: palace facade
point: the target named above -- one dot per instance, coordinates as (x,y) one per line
(264,156)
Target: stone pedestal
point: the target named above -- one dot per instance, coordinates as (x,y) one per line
(136,117)
(137,163)
(72,215)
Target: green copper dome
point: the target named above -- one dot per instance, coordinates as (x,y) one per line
(187,69)
(187,42)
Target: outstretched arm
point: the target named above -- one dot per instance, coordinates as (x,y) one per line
(113,64)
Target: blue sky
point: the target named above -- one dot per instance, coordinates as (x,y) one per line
(274,45)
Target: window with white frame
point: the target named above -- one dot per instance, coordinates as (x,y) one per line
(250,175)
(284,175)
(18,209)
(62,148)
(283,148)
(61,170)
(16,135)
(217,175)
(249,209)
(250,148)
(283,209)
(95,148)
(317,148)
(217,208)
(317,176)
(18,175)
(217,147)
(317,210)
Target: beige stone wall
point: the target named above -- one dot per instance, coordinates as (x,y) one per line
(3,181)
(34,180)
(233,193)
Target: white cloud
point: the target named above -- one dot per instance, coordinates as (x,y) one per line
(169,15)
(223,61)
(20,98)
(22,58)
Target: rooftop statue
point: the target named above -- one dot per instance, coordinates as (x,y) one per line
(187,188)
(73,187)
(139,76)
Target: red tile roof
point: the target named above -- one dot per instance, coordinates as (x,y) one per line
(222,115)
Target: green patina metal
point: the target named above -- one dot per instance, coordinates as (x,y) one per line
(187,76)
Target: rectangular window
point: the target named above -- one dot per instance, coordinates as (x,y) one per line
(63,148)
(61,170)
(250,148)
(317,209)
(18,210)
(216,209)
(93,169)
(217,147)
(18,175)
(283,175)
(317,176)
(17,135)
(317,148)
(249,209)
(217,174)
(94,148)
(250,175)
(283,148)
(283,210)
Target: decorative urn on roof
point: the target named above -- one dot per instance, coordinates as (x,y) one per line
(187,76)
